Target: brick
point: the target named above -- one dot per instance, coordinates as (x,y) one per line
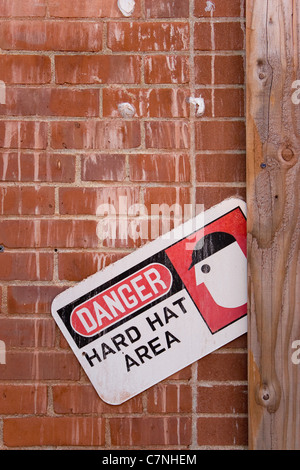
(157,102)
(221,167)
(221,367)
(229,102)
(150,431)
(53,431)
(31,299)
(229,36)
(168,103)
(48,233)
(210,196)
(226,36)
(56,168)
(14,8)
(220,135)
(167,135)
(166,195)
(25,69)
(89,9)
(167,9)
(91,134)
(229,69)
(222,399)
(28,200)
(51,35)
(82,69)
(203,73)
(78,399)
(222,9)
(169,398)
(40,365)
(77,266)
(50,102)
(148,36)
(103,167)
(26,266)
(112,97)
(222,431)
(202,37)
(37,167)
(167,69)
(159,168)
(23,399)
(28,332)
(87,200)
(23,134)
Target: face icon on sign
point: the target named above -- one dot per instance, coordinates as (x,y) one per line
(221,265)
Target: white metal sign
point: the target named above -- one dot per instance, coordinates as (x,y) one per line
(162,307)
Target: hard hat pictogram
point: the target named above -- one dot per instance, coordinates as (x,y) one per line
(221,265)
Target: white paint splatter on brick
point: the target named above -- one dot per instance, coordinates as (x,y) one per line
(126,110)
(126,7)
(210,6)
(199,103)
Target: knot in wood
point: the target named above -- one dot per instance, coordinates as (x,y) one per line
(287,154)
(268,396)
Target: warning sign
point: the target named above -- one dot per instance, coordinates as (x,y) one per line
(162,307)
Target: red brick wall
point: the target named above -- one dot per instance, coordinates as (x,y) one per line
(64,149)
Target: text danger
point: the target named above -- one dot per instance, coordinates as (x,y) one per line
(123,298)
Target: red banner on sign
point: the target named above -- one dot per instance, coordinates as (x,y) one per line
(123,298)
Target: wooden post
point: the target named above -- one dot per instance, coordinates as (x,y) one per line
(273,200)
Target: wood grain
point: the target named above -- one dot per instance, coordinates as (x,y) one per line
(273,200)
